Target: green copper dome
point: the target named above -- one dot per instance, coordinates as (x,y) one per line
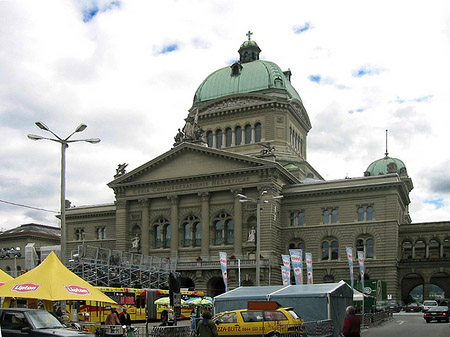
(239,78)
(386,165)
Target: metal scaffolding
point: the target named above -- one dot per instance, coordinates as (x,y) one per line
(114,268)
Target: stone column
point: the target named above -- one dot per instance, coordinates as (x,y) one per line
(237,224)
(205,224)
(173,225)
(413,251)
(145,235)
(233,137)
(214,137)
(121,225)
(253,134)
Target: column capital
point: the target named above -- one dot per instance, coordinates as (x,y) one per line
(144,202)
(204,195)
(121,204)
(173,199)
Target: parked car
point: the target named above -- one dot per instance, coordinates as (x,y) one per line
(428,304)
(413,307)
(393,306)
(257,322)
(439,313)
(34,322)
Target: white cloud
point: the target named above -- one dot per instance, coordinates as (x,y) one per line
(56,68)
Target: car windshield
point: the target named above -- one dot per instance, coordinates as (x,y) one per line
(44,320)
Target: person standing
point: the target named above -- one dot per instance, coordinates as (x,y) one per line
(352,323)
(125,318)
(206,327)
(112,318)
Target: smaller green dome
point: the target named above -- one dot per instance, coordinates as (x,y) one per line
(249,43)
(386,165)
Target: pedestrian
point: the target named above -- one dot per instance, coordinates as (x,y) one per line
(125,318)
(164,318)
(352,323)
(206,327)
(112,318)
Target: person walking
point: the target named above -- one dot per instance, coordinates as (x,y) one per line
(125,318)
(352,323)
(206,327)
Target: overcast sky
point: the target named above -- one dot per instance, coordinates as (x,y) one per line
(129,70)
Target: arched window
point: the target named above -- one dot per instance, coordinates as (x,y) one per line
(366,245)
(219,138)
(369,213)
(228,134)
(187,234)
(223,229)
(167,236)
(334,216)
(192,230)
(407,250)
(158,236)
(209,138)
(326,217)
(258,132)
(297,218)
(198,234)
(330,216)
(446,247)
(238,135)
(330,249)
(328,279)
(248,134)
(299,245)
(365,213)
(161,233)
(434,248)
(360,213)
(419,249)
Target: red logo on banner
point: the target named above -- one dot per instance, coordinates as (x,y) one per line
(74,289)
(2,283)
(25,287)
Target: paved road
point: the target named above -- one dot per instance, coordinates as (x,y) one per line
(409,325)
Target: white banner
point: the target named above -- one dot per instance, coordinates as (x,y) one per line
(309,268)
(223,266)
(350,263)
(361,268)
(297,264)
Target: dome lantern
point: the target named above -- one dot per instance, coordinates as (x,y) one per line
(249,50)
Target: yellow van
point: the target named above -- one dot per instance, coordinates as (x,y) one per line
(259,322)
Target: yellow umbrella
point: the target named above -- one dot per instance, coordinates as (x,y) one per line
(52,281)
(4,277)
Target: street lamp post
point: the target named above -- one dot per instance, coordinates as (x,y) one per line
(64,144)
(257,201)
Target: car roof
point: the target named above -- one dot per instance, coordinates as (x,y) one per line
(20,309)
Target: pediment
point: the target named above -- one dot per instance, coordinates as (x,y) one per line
(189,161)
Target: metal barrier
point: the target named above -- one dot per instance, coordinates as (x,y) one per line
(290,330)
(171,331)
(323,328)
(119,331)
(372,319)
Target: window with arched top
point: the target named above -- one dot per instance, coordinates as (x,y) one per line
(209,138)
(228,137)
(297,218)
(407,250)
(365,213)
(248,134)
(330,249)
(446,247)
(161,233)
(420,249)
(192,231)
(258,132)
(223,229)
(328,279)
(298,245)
(219,137)
(366,245)
(434,247)
(237,135)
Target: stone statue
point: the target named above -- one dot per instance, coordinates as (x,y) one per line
(192,132)
(267,149)
(121,170)
(179,137)
(135,242)
(251,235)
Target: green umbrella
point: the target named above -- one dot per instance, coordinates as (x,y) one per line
(166,301)
(199,301)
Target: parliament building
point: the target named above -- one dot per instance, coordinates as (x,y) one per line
(246,135)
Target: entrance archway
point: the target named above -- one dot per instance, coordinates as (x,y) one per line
(186,282)
(215,286)
(409,283)
(441,281)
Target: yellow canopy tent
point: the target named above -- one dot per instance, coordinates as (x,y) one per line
(4,277)
(52,281)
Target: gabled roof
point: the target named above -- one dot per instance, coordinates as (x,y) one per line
(33,229)
(183,164)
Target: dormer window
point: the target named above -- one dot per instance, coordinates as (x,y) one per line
(236,69)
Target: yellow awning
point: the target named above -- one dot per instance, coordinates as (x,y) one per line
(52,281)
(4,277)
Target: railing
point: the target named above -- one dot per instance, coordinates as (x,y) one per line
(171,331)
(119,331)
(323,328)
(231,264)
(377,318)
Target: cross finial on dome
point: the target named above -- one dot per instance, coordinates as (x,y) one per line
(249,34)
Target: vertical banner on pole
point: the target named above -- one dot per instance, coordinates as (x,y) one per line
(309,269)
(223,266)
(350,263)
(286,275)
(287,265)
(297,264)
(361,268)
(239,272)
